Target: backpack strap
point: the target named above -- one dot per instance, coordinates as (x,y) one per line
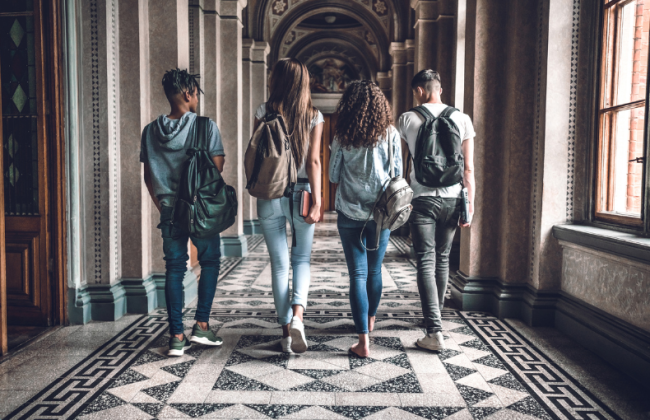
(446,113)
(422,110)
(201,138)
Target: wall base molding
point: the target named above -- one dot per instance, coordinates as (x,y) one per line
(141,296)
(619,343)
(252,227)
(234,246)
(97,302)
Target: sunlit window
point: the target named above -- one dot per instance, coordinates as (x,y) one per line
(622,111)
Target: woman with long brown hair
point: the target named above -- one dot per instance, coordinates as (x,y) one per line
(361,167)
(290,97)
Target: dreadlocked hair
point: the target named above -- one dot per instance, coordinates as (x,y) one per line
(364,115)
(180,81)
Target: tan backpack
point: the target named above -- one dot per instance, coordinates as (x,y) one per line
(268,162)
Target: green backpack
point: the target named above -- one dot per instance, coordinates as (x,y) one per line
(205,206)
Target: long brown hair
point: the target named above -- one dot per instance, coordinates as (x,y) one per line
(290,97)
(364,115)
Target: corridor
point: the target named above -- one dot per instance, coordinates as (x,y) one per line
(492,369)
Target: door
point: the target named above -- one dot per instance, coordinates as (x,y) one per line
(328,189)
(24,138)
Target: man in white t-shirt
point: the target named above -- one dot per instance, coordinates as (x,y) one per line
(436,211)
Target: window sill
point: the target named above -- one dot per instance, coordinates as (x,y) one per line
(626,245)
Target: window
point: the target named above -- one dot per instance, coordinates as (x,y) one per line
(622,112)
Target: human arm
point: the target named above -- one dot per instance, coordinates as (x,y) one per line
(149,184)
(336,162)
(469,181)
(219,161)
(314,173)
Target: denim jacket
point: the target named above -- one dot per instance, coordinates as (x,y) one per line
(361,174)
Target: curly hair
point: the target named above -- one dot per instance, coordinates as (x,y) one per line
(364,115)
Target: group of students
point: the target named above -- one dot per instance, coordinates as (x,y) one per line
(361,167)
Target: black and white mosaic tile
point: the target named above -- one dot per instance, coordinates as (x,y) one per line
(488,371)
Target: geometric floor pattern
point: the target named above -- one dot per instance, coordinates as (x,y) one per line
(488,371)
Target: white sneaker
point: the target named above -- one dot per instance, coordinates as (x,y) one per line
(432,342)
(286,345)
(298,339)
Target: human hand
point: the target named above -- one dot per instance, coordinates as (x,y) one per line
(471,217)
(314,214)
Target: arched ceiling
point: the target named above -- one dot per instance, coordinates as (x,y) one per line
(361,33)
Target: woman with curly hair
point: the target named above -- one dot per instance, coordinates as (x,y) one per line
(361,167)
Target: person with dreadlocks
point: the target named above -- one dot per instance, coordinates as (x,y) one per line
(163,151)
(361,167)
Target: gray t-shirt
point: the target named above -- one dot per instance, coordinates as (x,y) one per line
(164,148)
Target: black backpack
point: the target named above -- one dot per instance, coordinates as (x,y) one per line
(438,159)
(205,206)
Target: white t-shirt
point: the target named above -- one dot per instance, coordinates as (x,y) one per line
(408,126)
(261,112)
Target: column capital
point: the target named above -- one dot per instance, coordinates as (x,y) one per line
(398,51)
(261,50)
(210,6)
(433,9)
(232,8)
(410,50)
(384,80)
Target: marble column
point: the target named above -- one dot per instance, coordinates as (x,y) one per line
(259,94)
(384,80)
(136,205)
(435,40)
(103,296)
(197,43)
(169,48)
(409,44)
(400,84)
(248,111)
(211,76)
(231,121)
(508,247)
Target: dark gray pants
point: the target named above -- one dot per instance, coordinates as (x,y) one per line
(433,223)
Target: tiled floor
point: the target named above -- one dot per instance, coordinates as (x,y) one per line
(492,369)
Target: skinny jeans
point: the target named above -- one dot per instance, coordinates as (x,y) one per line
(273,216)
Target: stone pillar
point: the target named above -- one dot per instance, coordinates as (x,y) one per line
(519,150)
(400,83)
(211,76)
(103,292)
(434,40)
(136,204)
(248,108)
(259,94)
(231,122)
(409,44)
(384,80)
(197,43)
(169,48)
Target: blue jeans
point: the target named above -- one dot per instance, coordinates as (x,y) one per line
(364,268)
(176,256)
(273,216)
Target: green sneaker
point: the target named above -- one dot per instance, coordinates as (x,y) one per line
(204,337)
(178,347)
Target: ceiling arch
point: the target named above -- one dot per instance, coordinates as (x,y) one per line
(330,44)
(376,28)
(394,14)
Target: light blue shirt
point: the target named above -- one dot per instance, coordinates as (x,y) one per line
(361,174)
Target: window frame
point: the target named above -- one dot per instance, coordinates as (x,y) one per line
(600,160)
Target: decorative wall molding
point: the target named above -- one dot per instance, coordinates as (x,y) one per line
(573,104)
(615,340)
